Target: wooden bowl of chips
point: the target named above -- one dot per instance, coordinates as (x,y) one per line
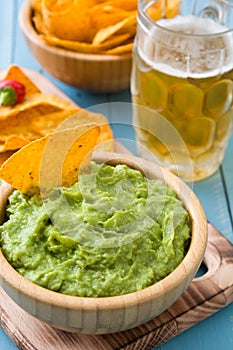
(101,315)
(103,65)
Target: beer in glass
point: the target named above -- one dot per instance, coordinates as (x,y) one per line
(182,74)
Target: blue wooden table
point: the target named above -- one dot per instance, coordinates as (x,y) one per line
(215,193)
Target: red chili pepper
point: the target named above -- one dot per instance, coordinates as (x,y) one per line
(11,92)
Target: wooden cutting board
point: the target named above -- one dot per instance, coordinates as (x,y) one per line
(205,295)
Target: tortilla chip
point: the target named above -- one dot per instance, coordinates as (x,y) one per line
(173,8)
(60,121)
(36,5)
(40,114)
(21,123)
(16,73)
(86,47)
(47,123)
(128,5)
(13,143)
(107,32)
(156,11)
(105,15)
(85,26)
(39,170)
(39,24)
(16,124)
(58,6)
(68,19)
(4,156)
(105,140)
(43,102)
(119,50)
(20,129)
(82,117)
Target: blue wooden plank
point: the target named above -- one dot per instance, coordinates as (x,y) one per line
(21,53)
(211,194)
(213,333)
(6,32)
(5,342)
(83,98)
(227,169)
(216,195)
(121,119)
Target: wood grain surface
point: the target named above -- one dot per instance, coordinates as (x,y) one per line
(206,295)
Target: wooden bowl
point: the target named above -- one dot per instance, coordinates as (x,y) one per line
(95,73)
(112,314)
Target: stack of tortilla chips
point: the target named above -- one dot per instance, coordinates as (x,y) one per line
(87,26)
(39,114)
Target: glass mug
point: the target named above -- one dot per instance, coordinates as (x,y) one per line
(181,83)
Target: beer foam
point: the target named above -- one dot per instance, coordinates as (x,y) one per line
(185,55)
(192,25)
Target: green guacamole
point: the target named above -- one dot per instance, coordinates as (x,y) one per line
(113,232)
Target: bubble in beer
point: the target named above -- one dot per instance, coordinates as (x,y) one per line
(218,98)
(199,135)
(154,91)
(185,99)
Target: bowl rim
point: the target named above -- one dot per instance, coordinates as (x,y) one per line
(189,264)
(29,31)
